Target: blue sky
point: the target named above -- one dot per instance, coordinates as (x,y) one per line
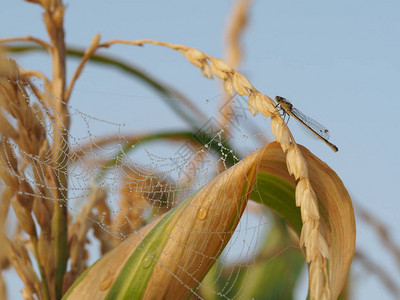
(336,61)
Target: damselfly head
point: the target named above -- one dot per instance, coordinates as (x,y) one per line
(280,99)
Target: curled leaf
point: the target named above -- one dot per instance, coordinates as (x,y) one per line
(174,253)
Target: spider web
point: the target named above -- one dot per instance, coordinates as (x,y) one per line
(141,180)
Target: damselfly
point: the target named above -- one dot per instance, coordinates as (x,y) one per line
(313,126)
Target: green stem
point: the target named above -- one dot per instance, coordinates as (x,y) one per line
(60,147)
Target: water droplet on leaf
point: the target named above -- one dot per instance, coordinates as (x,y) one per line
(202,213)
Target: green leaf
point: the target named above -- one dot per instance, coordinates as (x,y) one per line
(273,274)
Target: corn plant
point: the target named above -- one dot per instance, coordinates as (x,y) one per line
(165,238)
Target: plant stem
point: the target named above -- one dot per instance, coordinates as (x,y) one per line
(53,19)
